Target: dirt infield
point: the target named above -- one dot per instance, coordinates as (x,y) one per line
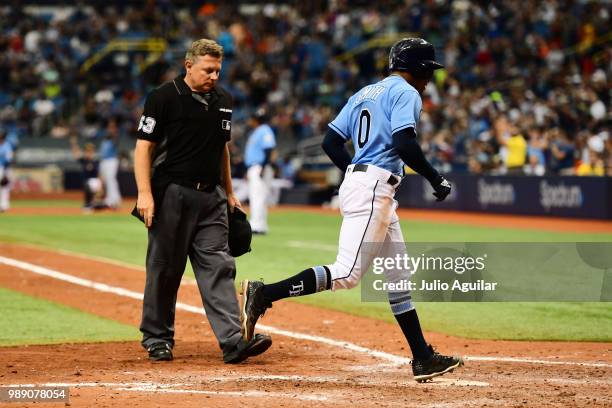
(319,358)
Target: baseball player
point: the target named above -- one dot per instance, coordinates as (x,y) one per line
(259,149)
(381,120)
(90,166)
(109,166)
(6,156)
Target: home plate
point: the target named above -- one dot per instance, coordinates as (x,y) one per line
(447,382)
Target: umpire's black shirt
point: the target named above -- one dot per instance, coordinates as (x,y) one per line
(190,129)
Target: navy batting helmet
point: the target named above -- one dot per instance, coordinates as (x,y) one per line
(415,56)
(261,114)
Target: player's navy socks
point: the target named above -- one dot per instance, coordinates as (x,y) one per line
(409,322)
(308,281)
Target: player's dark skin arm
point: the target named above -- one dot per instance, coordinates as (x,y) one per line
(408,149)
(333,145)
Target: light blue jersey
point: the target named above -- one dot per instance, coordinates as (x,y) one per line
(6,153)
(260,140)
(372,115)
(108,149)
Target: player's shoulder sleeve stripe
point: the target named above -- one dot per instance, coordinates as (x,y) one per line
(341,133)
(402,127)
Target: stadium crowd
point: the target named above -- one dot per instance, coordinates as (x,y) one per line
(526,89)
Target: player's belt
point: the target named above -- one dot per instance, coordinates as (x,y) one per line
(196,185)
(393,180)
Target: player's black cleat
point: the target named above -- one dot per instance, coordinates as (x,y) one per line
(254,305)
(160,352)
(245,349)
(436,365)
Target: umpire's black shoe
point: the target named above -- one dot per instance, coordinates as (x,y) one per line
(254,305)
(160,352)
(436,365)
(245,349)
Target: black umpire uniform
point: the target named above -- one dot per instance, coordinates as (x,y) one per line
(190,131)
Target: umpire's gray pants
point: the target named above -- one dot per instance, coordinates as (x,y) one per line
(190,223)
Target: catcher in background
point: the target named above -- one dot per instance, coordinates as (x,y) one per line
(381,120)
(258,158)
(6,156)
(93,191)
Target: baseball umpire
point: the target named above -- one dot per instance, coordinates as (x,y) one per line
(381,120)
(184,193)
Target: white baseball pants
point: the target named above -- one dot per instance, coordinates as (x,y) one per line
(108,172)
(5,191)
(370,220)
(258,194)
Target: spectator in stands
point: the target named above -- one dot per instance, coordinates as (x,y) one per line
(544,64)
(562,152)
(595,166)
(536,159)
(513,145)
(482,155)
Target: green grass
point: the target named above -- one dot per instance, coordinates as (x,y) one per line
(300,240)
(27,320)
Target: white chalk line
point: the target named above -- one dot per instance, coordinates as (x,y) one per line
(392,358)
(97,384)
(534,361)
(476,402)
(85,256)
(264,394)
(590,381)
(234,379)
(186,279)
(272,377)
(441,381)
(368,381)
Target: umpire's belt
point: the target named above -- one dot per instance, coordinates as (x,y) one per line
(196,185)
(392,179)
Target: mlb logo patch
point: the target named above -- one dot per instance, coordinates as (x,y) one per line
(226,124)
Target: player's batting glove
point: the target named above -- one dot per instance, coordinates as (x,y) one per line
(442,188)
